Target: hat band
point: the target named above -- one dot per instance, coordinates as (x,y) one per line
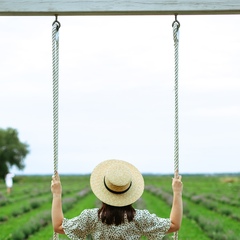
(112,191)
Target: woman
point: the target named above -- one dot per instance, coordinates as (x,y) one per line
(118,184)
(9,181)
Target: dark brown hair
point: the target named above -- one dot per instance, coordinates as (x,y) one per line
(115,215)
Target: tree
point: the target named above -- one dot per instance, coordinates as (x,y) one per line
(12,151)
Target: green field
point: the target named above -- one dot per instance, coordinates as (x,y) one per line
(211,205)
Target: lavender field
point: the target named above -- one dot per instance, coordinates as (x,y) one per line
(211,205)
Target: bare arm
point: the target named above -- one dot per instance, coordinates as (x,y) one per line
(57,213)
(177,206)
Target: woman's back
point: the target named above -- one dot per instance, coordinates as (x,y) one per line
(143,224)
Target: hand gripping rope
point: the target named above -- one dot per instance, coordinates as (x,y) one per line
(55,56)
(176,26)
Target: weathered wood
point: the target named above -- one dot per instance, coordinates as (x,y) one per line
(117,7)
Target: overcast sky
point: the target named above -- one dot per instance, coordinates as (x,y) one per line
(116,97)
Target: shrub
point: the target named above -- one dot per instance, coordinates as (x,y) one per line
(200,199)
(26,208)
(18,235)
(17,212)
(225,211)
(186,209)
(26,190)
(35,204)
(140,204)
(27,230)
(32,226)
(225,199)
(167,197)
(83,192)
(197,198)
(1,196)
(235,217)
(3,201)
(3,218)
(68,202)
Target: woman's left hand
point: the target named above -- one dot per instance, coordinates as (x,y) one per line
(56,186)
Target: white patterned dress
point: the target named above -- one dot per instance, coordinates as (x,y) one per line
(143,224)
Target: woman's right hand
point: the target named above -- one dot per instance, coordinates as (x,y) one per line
(177,208)
(56,186)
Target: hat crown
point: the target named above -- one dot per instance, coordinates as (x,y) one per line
(118,179)
(118,176)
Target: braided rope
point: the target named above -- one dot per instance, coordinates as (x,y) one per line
(55,75)
(176,26)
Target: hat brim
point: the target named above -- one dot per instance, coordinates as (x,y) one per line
(118,200)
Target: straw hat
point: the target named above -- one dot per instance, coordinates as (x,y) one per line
(117,183)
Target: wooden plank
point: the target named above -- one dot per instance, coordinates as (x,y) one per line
(117,7)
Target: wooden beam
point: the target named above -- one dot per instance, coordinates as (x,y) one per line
(117,7)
